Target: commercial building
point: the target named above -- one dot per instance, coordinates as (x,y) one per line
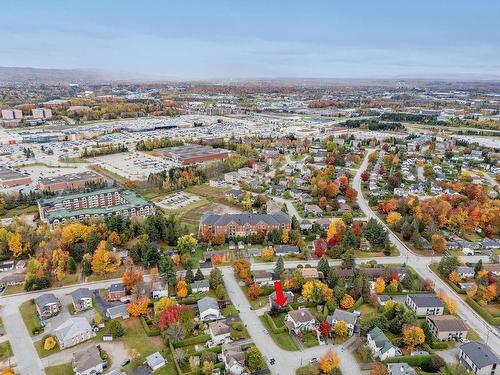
(244,224)
(12,114)
(99,203)
(70,181)
(10,178)
(193,153)
(42,113)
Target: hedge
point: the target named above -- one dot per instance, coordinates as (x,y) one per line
(147,329)
(192,299)
(439,345)
(483,312)
(272,325)
(357,304)
(198,372)
(412,360)
(325,312)
(177,367)
(192,341)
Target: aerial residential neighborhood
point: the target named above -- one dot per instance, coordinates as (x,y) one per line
(209,188)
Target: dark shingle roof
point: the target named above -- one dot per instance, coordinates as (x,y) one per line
(245,218)
(426,300)
(479,353)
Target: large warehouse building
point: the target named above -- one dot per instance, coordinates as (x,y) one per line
(10,178)
(191,154)
(70,181)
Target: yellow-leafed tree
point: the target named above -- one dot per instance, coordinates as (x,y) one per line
(379,285)
(413,336)
(329,362)
(104,261)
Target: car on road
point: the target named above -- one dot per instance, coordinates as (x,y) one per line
(266,331)
(313,360)
(464,341)
(272,361)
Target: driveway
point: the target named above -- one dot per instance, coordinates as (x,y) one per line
(450,355)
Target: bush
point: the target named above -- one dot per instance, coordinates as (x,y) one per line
(150,332)
(229,311)
(49,343)
(416,360)
(192,341)
(357,304)
(115,328)
(434,364)
(439,345)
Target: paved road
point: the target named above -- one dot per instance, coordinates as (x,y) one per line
(421,264)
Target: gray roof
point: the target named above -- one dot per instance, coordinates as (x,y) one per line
(346,316)
(380,339)
(244,218)
(479,354)
(46,299)
(155,359)
(463,269)
(200,284)
(400,369)
(86,359)
(286,249)
(71,328)
(116,287)
(121,309)
(426,300)
(80,293)
(207,303)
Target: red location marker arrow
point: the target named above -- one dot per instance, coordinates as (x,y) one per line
(280,297)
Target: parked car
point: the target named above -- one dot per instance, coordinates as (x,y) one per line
(313,360)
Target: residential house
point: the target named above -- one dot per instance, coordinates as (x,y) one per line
(233,357)
(208,309)
(364,244)
(311,273)
(13,279)
(491,243)
(263,278)
(306,198)
(199,286)
(159,289)
(478,358)
(447,327)
(425,304)
(245,172)
(219,332)
(300,320)
(306,225)
(116,291)
(73,331)
(47,305)
(323,223)
(231,177)
(380,345)
(493,268)
(313,209)
(118,311)
(346,273)
(373,273)
(289,299)
(465,272)
(155,361)
(87,361)
(400,369)
(284,250)
(341,315)
(81,299)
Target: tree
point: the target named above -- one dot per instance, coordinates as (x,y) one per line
(379,285)
(348,260)
(413,336)
(163,303)
(379,369)
(253,359)
(267,254)
(254,292)
(167,271)
(365,176)
(186,243)
(285,237)
(329,362)
(280,265)
(49,343)
(242,268)
(208,368)
(182,289)
(215,278)
(115,328)
(220,291)
(104,261)
(15,245)
(131,277)
(71,265)
(454,277)
(347,302)
(7,371)
(335,231)
(319,247)
(325,328)
(138,306)
(169,316)
(375,233)
(393,218)
(323,265)
(176,332)
(341,329)
(317,292)
(199,275)
(87,264)
(115,239)
(189,277)
(351,194)
(438,243)
(479,266)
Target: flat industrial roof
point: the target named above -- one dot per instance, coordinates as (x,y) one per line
(70,177)
(10,174)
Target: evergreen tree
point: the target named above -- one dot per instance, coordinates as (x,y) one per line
(332,278)
(215,278)
(167,270)
(280,265)
(71,265)
(295,223)
(199,275)
(92,241)
(479,266)
(189,275)
(323,265)
(348,260)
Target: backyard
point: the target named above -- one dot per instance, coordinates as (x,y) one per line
(30,316)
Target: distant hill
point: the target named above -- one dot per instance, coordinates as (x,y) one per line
(36,75)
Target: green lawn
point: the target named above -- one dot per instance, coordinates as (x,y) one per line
(29,315)
(64,369)
(283,340)
(308,370)
(42,352)
(309,339)
(18,211)
(14,289)
(472,335)
(5,350)
(260,302)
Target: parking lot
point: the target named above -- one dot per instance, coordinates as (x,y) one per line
(178,200)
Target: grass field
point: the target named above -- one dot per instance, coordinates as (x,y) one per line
(308,370)
(212,193)
(42,353)
(29,315)
(260,302)
(13,289)
(283,340)
(5,350)
(18,211)
(64,369)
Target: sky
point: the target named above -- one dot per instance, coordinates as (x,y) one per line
(219,39)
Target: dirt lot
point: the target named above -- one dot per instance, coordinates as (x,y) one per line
(193,216)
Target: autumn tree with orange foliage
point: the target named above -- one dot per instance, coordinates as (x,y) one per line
(267,254)
(329,362)
(114,238)
(138,306)
(131,277)
(438,243)
(413,336)
(379,285)
(182,289)
(379,369)
(388,206)
(347,302)
(393,218)
(254,292)
(454,277)
(351,194)
(241,267)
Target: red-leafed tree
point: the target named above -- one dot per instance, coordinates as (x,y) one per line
(351,194)
(325,328)
(365,176)
(319,248)
(169,316)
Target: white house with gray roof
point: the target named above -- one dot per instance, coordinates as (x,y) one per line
(400,369)
(425,304)
(199,286)
(478,358)
(380,345)
(73,332)
(341,315)
(208,309)
(81,299)
(87,361)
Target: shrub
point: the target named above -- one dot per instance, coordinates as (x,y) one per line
(192,341)
(484,313)
(115,328)
(149,331)
(49,343)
